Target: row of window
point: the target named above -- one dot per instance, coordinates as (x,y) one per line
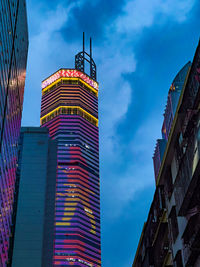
(70,111)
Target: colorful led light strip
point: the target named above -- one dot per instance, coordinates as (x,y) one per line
(68,107)
(64,73)
(47,88)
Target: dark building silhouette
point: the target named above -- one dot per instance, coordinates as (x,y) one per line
(13,57)
(171,234)
(35,200)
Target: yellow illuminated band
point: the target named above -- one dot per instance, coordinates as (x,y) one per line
(67,79)
(72,107)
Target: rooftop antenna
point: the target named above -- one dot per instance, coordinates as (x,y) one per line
(90,47)
(83,56)
(83,51)
(90,56)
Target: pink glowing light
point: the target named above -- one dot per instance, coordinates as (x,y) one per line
(69,73)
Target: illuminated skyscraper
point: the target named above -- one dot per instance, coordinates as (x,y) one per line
(13,55)
(70,110)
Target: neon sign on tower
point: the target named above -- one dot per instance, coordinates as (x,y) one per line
(69,73)
(70,110)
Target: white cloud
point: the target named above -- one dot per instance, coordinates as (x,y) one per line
(46,46)
(141,13)
(121,188)
(114,59)
(48,51)
(117,93)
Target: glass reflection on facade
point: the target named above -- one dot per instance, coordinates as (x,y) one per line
(13,56)
(70,111)
(170,110)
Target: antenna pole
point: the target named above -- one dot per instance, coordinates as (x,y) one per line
(83,62)
(83,42)
(83,57)
(90,47)
(90,56)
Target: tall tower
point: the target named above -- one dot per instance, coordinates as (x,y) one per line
(13,56)
(70,110)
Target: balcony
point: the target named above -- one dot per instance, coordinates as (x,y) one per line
(153,233)
(157,211)
(188,174)
(191,240)
(161,245)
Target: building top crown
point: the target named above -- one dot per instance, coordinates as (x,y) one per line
(79,71)
(69,73)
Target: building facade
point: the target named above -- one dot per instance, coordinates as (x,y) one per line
(171,234)
(170,110)
(70,111)
(35,199)
(13,57)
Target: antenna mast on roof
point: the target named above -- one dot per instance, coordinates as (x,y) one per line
(83,56)
(83,51)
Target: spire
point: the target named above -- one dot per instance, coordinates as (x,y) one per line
(90,47)
(83,61)
(83,42)
(83,56)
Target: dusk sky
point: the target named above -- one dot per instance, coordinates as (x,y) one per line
(138,46)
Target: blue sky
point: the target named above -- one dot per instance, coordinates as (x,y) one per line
(138,46)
